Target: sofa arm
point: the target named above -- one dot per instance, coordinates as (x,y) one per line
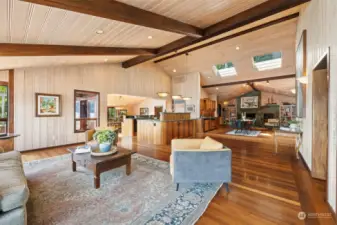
(202,166)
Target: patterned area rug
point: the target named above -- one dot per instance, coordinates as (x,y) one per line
(250,133)
(147,196)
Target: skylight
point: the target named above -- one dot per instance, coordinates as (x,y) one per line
(268,61)
(225,70)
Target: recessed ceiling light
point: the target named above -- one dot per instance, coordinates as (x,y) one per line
(99,32)
(237,48)
(217,88)
(209,77)
(174,70)
(149,37)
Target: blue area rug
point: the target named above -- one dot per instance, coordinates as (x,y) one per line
(147,196)
(250,133)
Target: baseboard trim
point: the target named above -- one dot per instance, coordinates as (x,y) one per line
(304,162)
(51,147)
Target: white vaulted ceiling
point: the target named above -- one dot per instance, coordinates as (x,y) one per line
(27,23)
(200,13)
(22,22)
(280,37)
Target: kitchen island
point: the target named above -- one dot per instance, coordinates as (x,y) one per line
(157,132)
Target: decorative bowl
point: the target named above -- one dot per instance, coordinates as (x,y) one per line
(97,152)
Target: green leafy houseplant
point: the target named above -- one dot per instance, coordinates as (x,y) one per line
(105,136)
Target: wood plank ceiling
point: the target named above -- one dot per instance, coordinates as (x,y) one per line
(27,23)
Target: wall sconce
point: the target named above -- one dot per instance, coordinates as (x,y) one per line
(176,96)
(303,79)
(187,98)
(163,94)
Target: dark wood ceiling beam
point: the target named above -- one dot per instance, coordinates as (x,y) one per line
(122,12)
(254,14)
(63,50)
(250,81)
(262,26)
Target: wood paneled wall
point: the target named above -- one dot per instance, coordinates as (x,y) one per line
(144,80)
(319,18)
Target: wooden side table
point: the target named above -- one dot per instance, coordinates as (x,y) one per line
(279,132)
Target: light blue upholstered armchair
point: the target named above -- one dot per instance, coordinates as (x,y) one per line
(200,161)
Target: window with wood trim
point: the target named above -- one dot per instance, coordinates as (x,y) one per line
(86,110)
(3,108)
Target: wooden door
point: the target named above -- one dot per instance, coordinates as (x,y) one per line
(319,124)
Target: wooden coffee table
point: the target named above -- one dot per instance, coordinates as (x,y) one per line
(100,164)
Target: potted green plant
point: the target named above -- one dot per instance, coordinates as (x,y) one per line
(293,124)
(105,138)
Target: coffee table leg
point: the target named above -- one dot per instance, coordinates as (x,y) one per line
(128,167)
(74,166)
(97,179)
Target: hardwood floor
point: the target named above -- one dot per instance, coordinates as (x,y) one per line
(266,188)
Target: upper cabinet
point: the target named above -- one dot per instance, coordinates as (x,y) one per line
(207,107)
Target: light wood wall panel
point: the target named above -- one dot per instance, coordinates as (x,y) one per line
(188,86)
(144,80)
(4,75)
(320,18)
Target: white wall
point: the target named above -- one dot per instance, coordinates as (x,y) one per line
(203,94)
(36,132)
(190,87)
(148,103)
(320,19)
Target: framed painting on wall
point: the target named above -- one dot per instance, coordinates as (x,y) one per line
(250,102)
(47,105)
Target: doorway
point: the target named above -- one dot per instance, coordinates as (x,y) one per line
(320,120)
(157,111)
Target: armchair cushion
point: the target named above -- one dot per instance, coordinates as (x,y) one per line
(211,144)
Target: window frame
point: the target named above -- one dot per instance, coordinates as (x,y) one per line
(4,83)
(217,71)
(257,69)
(87,119)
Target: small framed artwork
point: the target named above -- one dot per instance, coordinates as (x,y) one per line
(144,111)
(47,105)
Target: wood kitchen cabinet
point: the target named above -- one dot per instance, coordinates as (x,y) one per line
(207,107)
